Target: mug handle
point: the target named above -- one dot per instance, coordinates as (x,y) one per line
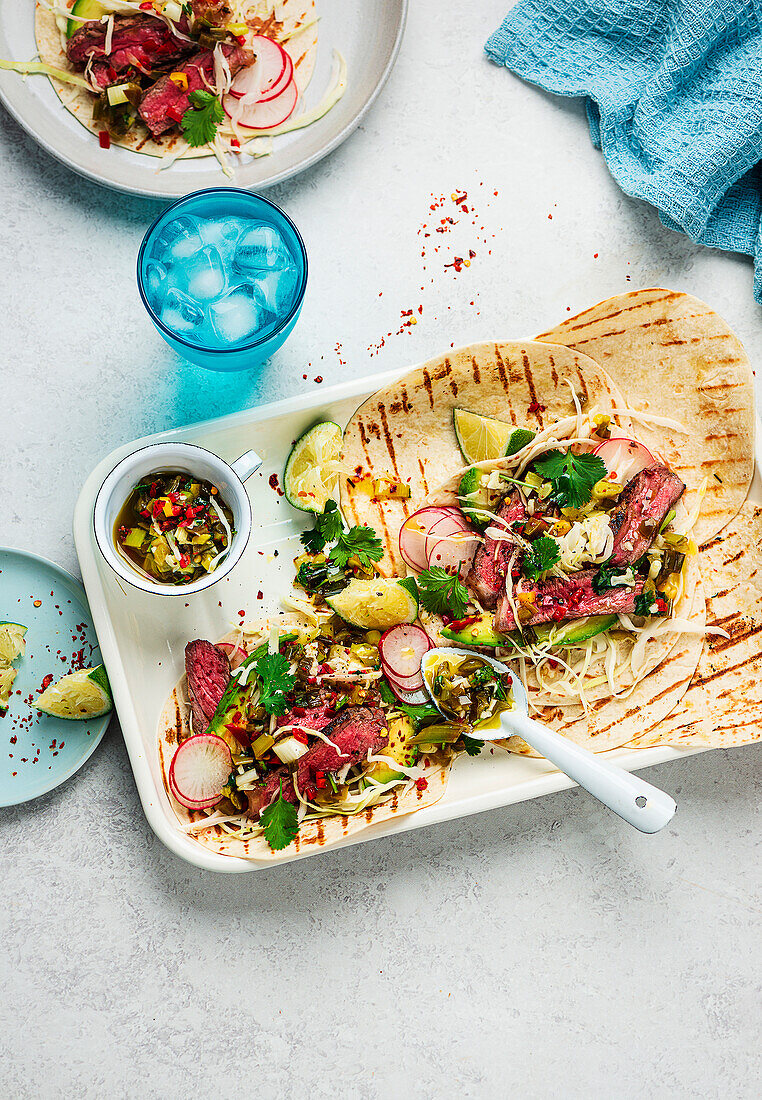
(246,465)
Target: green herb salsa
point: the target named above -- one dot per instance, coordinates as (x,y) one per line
(174,527)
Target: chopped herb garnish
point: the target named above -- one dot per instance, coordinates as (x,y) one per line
(275,681)
(471,745)
(612,576)
(541,557)
(420,714)
(199,123)
(442,592)
(280,822)
(358,542)
(573,476)
(328,527)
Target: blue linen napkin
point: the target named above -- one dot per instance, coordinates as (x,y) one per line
(674,101)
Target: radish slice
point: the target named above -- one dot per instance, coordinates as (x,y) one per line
(445,528)
(624,457)
(261,116)
(280,85)
(236,653)
(262,75)
(410,698)
(402,649)
(412,539)
(454,553)
(199,770)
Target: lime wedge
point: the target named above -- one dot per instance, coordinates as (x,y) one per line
(483,437)
(376,604)
(7,676)
(80,695)
(12,643)
(311,477)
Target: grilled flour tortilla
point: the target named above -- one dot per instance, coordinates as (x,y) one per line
(723,704)
(406,431)
(292,23)
(175,726)
(673,356)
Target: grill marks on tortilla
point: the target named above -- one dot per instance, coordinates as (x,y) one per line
(408,425)
(648,336)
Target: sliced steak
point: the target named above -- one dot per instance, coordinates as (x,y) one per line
(261,797)
(488,573)
(208,670)
(308,718)
(138,42)
(164,104)
(569,598)
(356,730)
(640,511)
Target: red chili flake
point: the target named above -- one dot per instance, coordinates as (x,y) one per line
(37,603)
(421,784)
(319,379)
(595,255)
(320,779)
(147,6)
(273,483)
(241,39)
(14,739)
(235,143)
(175,113)
(471,254)
(242,614)
(45,684)
(536,407)
(304,376)
(104,139)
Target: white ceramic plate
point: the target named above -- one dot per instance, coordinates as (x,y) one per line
(368,35)
(142,637)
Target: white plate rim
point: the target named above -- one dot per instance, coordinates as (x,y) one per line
(9,101)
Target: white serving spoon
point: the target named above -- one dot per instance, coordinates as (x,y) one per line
(639,803)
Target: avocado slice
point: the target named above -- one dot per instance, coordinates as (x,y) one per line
(474,498)
(401,734)
(480,631)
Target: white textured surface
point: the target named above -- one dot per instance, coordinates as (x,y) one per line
(541,950)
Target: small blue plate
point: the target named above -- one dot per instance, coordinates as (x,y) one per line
(37,752)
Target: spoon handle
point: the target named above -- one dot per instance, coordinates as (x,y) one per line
(638,802)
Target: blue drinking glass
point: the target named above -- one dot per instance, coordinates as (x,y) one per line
(163,257)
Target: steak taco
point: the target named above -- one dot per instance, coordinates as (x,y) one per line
(308,747)
(171,78)
(539,525)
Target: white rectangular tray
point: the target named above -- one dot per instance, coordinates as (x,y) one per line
(142,637)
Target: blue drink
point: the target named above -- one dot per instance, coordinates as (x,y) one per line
(222,274)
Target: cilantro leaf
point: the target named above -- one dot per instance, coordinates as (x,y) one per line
(644,601)
(328,527)
(279,821)
(573,476)
(275,681)
(200,121)
(358,542)
(604,578)
(541,557)
(471,745)
(442,592)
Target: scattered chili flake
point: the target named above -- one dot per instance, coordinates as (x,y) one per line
(421,784)
(48,680)
(319,378)
(273,483)
(37,603)
(536,407)
(260,595)
(104,139)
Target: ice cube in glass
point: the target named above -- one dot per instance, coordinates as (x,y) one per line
(260,248)
(276,288)
(156,283)
(237,315)
(204,274)
(181,314)
(178,240)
